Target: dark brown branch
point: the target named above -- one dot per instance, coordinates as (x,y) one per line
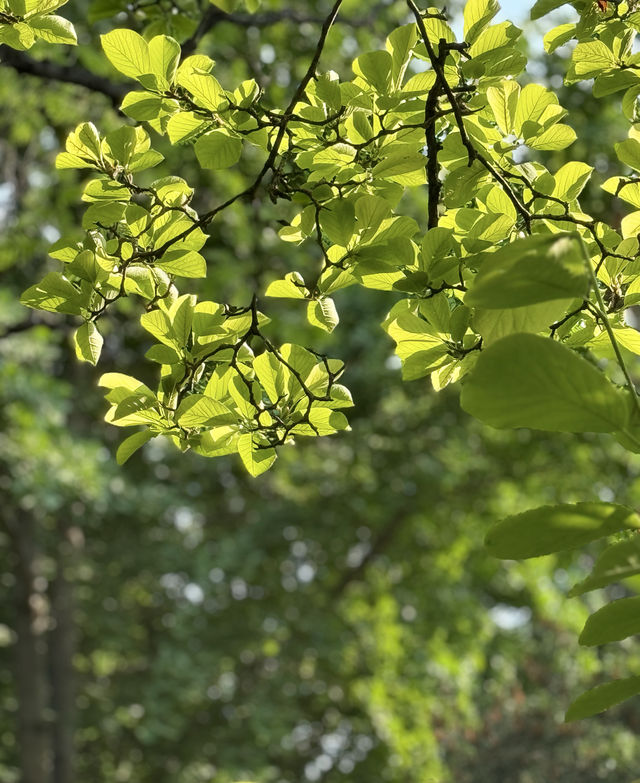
(214,16)
(30,320)
(434,185)
(438,66)
(70,74)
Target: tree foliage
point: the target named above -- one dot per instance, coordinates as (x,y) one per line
(500,282)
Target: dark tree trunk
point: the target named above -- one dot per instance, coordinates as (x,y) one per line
(62,645)
(31,623)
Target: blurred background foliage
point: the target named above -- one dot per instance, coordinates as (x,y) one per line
(334,620)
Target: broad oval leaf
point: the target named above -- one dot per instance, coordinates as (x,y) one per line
(549,529)
(477,15)
(543,7)
(525,380)
(256,460)
(198,410)
(323,314)
(602,697)
(130,445)
(88,343)
(619,561)
(127,51)
(536,269)
(54,29)
(613,622)
(218,150)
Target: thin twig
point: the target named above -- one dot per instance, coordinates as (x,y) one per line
(602,313)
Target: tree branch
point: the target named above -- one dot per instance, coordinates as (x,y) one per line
(30,320)
(286,117)
(438,66)
(70,74)
(214,16)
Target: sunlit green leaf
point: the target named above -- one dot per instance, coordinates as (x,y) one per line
(528,381)
(549,529)
(613,622)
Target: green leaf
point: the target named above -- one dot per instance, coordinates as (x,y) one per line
(327,88)
(436,245)
(492,325)
(29,8)
(86,267)
(105,214)
(145,160)
(323,314)
(558,36)
(164,55)
(537,269)
(628,151)
(400,44)
(627,338)
(558,137)
(181,316)
(338,221)
(602,697)
(477,15)
(613,622)
(549,529)
(325,421)
(183,264)
(376,70)
(419,347)
(400,163)
(226,5)
(142,106)
(88,343)
(118,380)
(271,374)
(370,212)
(630,103)
(184,127)
(157,324)
(570,180)
(255,460)
(291,287)
(543,7)
(619,561)
(163,354)
(504,101)
(53,29)
(105,190)
(335,155)
(130,445)
(127,51)
(198,410)
(528,381)
(590,58)
(53,293)
(614,81)
(83,148)
(218,150)
(204,87)
(534,100)
(17,35)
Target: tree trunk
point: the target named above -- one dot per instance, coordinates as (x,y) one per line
(62,647)
(31,623)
